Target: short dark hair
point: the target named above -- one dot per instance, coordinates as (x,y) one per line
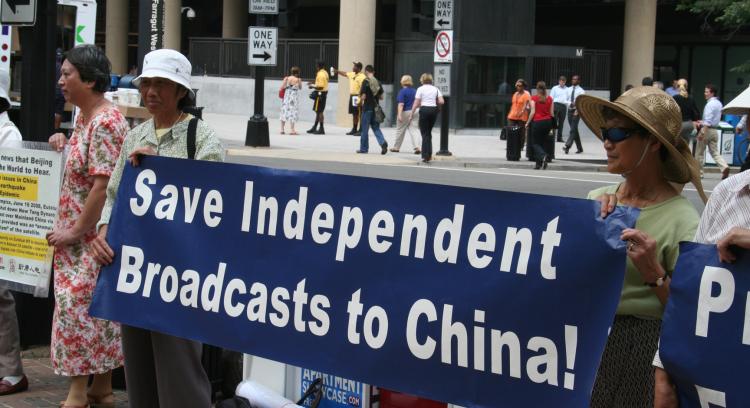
(92,65)
(647,81)
(320,64)
(295,71)
(562,78)
(187,101)
(711,88)
(369,68)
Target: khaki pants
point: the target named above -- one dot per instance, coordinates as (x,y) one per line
(710,139)
(403,126)
(10,350)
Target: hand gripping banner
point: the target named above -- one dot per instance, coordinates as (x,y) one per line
(469,296)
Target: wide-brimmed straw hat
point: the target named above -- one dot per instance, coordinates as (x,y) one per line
(659,114)
(168,64)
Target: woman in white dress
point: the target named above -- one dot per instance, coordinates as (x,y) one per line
(290,104)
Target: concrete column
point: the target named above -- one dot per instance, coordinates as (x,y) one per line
(116,36)
(234,19)
(172,24)
(356,43)
(638,45)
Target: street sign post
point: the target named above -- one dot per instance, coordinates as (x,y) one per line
(264,6)
(444,47)
(262,43)
(443,15)
(18,12)
(442,79)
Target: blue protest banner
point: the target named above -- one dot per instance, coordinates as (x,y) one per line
(469,296)
(705,338)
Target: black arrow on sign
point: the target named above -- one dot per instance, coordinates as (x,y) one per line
(442,22)
(265,55)
(13,3)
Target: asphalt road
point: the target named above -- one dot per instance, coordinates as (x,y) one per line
(575,184)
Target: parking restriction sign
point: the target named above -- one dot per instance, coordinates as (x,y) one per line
(444,46)
(442,78)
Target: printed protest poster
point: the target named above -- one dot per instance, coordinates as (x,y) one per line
(29,195)
(338,392)
(469,296)
(705,338)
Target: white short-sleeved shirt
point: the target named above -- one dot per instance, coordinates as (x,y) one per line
(428,94)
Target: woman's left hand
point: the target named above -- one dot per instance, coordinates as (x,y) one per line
(135,155)
(62,237)
(642,252)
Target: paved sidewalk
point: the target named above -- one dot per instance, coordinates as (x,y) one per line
(470,148)
(46,390)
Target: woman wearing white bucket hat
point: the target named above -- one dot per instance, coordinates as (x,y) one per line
(641,135)
(161,370)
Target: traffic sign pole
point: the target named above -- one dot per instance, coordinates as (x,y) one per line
(257,126)
(442,80)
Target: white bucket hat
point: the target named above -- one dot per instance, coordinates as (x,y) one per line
(168,64)
(4,88)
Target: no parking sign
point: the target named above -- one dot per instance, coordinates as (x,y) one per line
(444,46)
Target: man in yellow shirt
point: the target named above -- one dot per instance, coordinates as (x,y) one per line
(355,83)
(319,104)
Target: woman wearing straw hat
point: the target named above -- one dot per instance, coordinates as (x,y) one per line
(161,370)
(641,135)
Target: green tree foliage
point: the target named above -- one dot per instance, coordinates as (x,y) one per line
(731,15)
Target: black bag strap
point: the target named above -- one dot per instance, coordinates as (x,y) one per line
(192,127)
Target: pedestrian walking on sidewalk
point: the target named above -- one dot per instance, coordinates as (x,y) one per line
(161,370)
(320,94)
(405,122)
(290,104)
(541,122)
(82,345)
(708,135)
(356,77)
(369,97)
(559,94)
(427,101)
(574,91)
(690,113)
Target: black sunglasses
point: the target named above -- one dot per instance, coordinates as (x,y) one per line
(616,135)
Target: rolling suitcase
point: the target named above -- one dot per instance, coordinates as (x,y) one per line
(514,139)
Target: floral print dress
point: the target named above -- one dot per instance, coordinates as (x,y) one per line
(81,344)
(290,104)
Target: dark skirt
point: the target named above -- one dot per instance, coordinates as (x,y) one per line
(626,374)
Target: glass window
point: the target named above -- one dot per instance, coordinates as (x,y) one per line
(736,82)
(706,69)
(488,88)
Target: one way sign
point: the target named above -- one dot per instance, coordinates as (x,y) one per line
(18,12)
(261,46)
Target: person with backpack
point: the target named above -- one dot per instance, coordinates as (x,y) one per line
(372,113)
(161,370)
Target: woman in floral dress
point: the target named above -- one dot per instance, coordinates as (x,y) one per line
(83,345)
(290,105)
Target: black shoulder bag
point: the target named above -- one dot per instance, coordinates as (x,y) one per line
(192,128)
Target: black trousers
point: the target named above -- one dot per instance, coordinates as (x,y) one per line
(561,111)
(574,136)
(539,134)
(427,118)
